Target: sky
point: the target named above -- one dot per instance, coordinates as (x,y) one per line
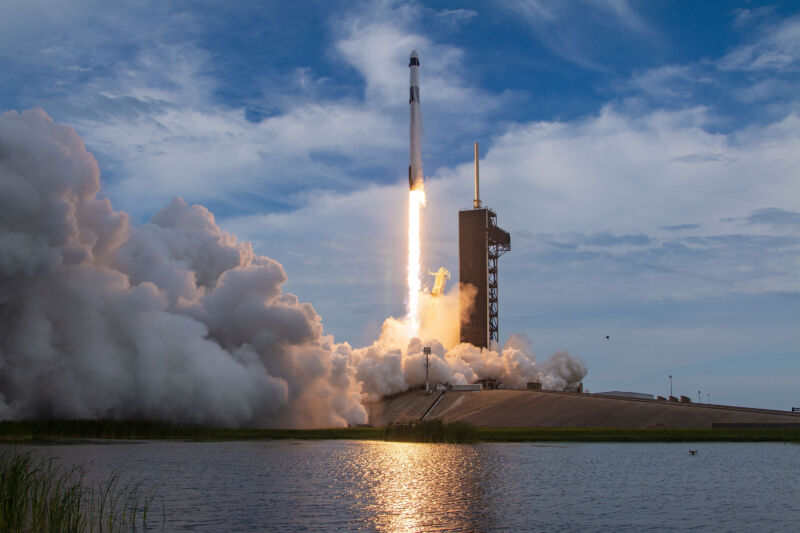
(643,156)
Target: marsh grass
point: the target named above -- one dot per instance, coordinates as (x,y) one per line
(432,431)
(44,496)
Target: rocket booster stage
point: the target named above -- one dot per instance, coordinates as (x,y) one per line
(415,166)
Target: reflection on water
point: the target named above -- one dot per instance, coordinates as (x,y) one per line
(420,487)
(377,486)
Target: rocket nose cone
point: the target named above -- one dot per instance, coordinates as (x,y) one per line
(414,54)
(414,60)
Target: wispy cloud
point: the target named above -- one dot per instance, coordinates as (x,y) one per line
(455,17)
(755,80)
(681,227)
(570,28)
(540,11)
(670,82)
(777,48)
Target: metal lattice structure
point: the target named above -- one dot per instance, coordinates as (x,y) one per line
(499,243)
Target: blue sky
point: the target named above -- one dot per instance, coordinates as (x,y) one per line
(643,155)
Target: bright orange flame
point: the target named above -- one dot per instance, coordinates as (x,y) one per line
(416,199)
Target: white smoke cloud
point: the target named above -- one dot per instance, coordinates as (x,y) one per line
(173,319)
(394,363)
(176,319)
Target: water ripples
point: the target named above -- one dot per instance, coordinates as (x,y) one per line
(378,486)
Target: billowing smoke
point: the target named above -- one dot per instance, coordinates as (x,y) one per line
(388,367)
(177,320)
(174,319)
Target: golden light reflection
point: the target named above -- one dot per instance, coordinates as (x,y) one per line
(424,487)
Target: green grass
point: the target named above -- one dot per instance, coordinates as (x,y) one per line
(429,431)
(43,496)
(153,429)
(432,431)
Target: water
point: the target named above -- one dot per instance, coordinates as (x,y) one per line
(375,486)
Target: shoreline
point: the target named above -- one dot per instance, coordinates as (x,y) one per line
(28,432)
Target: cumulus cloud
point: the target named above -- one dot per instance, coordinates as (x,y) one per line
(638,170)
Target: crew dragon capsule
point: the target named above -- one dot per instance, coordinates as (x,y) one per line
(415,166)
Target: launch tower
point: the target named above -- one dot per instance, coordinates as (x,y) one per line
(480,243)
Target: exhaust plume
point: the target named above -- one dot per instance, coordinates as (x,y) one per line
(416,200)
(174,319)
(178,320)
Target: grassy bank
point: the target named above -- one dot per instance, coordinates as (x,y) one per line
(44,496)
(424,432)
(157,430)
(432,431)
(637,435)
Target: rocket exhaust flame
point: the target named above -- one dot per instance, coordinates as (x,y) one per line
(416,199)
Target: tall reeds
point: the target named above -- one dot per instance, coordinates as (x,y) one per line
(44,496)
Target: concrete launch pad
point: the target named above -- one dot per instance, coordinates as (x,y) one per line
(550,409)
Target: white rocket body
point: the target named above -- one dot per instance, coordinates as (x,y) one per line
(415,162)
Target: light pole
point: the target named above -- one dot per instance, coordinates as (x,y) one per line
(708,394)
(427,351)
(670,385)
(698,397)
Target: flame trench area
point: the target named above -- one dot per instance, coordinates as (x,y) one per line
(416,200)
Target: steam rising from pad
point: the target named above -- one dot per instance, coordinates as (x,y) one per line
(178,320)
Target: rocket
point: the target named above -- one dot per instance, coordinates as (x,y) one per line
(415,166)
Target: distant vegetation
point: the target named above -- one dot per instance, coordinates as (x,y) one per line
(432,431)
(427,431)
(44,496)
(154,429)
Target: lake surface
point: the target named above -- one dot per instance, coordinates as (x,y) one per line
(288,485)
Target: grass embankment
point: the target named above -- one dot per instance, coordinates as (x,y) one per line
(436,431)
(157,430)
(429,431)
(637,435)
(432,431)
(44,496)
